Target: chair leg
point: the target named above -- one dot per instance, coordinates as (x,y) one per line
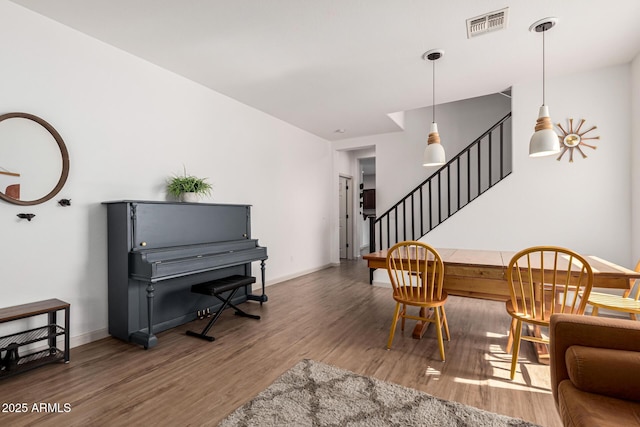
(632,316)
(594,311)
(516,348)
(393,325)
(403,313)
(439,332)
(510,339)
(446,324)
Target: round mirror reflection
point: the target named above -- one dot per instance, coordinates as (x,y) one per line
(34,162)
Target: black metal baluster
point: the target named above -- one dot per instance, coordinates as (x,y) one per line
(372,234)
(404,220)
(490,162)
(430,208)
(501,152)
(395,215)
(421,214)
(479,171)
(439,198)
(468,176)
(388,231)
(458,183)
(413,215)
(448,191)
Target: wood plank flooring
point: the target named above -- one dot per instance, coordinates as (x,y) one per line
(333,316)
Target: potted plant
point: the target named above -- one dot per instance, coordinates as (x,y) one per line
(188,188)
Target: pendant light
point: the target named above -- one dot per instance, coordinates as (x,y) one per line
(434,153)
(544,142)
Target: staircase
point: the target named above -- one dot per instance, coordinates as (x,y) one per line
(473,171)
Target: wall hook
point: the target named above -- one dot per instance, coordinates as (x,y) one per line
(26,216)
(64,202)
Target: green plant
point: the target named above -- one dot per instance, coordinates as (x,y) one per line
(180,184)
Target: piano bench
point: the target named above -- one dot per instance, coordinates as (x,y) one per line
(216,288)
(219,286)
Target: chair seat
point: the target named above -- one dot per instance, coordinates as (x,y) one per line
(421,302)
(539,319)
(614,302)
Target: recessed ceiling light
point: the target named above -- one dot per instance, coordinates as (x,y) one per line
(339,131)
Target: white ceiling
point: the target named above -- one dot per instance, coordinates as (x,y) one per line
(346,64)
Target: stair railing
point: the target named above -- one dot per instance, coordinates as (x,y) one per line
(473,171)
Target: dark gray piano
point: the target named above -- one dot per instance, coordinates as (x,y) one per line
(158,250)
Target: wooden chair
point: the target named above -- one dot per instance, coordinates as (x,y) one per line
(544,280)
(618,303)
(417,283)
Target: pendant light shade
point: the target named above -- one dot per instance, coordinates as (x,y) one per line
(544,142)
(434,152)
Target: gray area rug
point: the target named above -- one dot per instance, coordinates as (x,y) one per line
(315,394)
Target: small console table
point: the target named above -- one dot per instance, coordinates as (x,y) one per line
(12,359)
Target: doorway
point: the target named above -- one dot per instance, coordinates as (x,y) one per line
(367,167)
(345,216)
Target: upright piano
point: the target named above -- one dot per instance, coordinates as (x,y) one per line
(158,250)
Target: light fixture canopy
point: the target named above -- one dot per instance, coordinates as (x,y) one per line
(434,152)
(544,141)
(543,24)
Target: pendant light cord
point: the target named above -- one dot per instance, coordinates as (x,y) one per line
(433,91)
(543,70)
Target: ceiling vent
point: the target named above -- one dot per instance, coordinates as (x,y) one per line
(486,23)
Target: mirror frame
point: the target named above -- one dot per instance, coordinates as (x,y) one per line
(63,152)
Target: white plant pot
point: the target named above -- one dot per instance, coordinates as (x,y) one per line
(190,197)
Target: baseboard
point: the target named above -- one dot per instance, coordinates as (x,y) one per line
(273,281)
(88,337)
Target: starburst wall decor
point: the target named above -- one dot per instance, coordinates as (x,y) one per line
(574,140)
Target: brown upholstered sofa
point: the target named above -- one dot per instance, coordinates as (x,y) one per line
(595,370)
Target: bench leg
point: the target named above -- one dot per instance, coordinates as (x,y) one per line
(243,313)
(213,320)
(225,303)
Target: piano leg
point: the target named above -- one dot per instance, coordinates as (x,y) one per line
(147,339)
(262,298)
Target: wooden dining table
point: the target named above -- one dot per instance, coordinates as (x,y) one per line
(482,274)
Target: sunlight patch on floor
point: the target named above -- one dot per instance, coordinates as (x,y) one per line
(432,372)
(530,375)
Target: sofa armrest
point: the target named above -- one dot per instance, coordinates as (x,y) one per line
(566,330)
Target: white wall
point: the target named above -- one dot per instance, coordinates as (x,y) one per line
(583,205)
(128,125)
(635,159)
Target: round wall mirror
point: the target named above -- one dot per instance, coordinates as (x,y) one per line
(34,162)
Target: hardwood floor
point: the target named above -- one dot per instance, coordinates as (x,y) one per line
(333,316)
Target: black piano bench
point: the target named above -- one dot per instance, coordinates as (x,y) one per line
(216,288)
